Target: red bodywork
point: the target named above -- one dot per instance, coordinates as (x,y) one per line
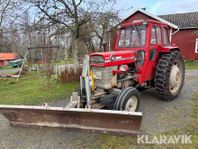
(145,72)
(122,57)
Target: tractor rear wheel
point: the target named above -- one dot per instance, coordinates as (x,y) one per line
(169,77)
(128,100)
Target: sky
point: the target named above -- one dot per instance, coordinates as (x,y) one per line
(157,7)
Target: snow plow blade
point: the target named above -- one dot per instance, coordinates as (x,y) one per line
(96,120)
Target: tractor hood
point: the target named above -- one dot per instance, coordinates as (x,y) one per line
(112,58)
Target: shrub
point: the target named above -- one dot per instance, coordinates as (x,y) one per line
(70,74)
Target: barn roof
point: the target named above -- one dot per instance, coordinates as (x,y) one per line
(7,56)
(183,20)
(152,16)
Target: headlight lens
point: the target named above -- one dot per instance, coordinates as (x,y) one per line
(123,68)
(112,58)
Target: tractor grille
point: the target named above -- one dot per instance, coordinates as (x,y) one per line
(104,78)
(97,59)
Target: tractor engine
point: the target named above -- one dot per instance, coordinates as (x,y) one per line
(109,68)
(104,77)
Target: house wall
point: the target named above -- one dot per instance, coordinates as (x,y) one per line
(137,16)
(185,39)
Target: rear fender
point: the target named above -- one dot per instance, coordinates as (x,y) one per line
(168,49)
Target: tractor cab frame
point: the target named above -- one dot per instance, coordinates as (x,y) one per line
(150,39)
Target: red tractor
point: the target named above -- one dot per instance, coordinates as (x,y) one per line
(143,58)
(110,83)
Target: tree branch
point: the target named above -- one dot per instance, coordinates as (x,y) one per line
(79,3)
(67,8)
(54,19)
(3,12)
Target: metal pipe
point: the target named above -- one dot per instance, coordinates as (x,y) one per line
(171,34)
(88,92)
(81,86)
(175,32)
(170,37)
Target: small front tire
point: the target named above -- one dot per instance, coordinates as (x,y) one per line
(128,100)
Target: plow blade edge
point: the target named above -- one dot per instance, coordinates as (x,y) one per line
(73,118)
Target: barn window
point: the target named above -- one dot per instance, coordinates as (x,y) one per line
(196,46)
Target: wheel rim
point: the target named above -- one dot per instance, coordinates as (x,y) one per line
(131,104)
(175,78)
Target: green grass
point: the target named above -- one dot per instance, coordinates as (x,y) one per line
(191,65)
(6,67)
(30,89)
(106,141)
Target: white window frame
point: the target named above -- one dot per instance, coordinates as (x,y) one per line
(196,45)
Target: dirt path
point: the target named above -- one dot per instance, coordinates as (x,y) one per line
(158,116)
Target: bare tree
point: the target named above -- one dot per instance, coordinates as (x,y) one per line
(72,15)
(102,23)
(8,11)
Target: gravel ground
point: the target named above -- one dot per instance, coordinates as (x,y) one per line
(162,116)
(158,116)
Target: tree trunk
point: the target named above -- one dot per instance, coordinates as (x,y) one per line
(66,47)
(101,45)
(75,48)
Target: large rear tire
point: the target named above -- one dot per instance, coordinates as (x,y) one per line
(169,77)
(128,100)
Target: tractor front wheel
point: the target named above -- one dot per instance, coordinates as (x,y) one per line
(128,100)
(169,77)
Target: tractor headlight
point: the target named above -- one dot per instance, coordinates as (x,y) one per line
(140,57)
(123,68)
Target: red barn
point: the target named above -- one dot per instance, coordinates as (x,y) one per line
(184,33)
(187,36)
